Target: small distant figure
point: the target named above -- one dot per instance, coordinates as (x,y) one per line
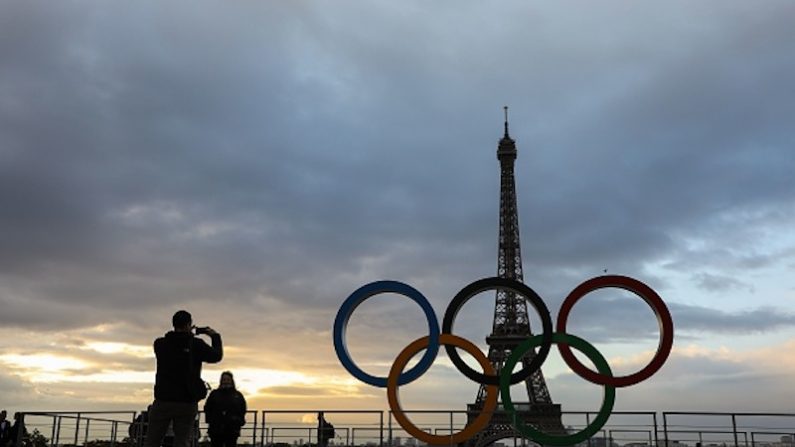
(139,426)
(325,430)
(225,412)
(137,430)
(18,432)
(178,383)
(5,428)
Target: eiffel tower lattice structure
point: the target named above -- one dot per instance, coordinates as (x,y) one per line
(511,323)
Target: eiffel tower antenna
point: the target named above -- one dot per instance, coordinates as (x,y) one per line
(511,324)
(505,108)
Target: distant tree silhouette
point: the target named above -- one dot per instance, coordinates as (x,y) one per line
(36,439)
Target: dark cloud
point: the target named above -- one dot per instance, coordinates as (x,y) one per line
(596,320)
(720,283)
(702,319)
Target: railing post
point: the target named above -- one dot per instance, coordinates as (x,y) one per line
(77,428)
(587,423)
(114,431)
(381,428)
(734,429)
(665,429)
(263,435)
(656,433)
(85,438)
(389,423)
(57,437)
(451,428)
(253,429)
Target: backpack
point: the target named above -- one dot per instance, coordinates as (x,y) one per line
(328,431)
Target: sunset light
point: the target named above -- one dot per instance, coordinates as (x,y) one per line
(42,363)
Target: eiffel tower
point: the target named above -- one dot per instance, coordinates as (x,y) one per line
(511,323)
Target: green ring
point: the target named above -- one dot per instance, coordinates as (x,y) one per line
(535,435)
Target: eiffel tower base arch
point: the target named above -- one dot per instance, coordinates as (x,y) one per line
(543,417)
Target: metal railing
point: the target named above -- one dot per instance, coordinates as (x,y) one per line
(350,422)
(699,427)
(89,424)
(288,428)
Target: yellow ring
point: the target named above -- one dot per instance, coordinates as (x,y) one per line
(470,430)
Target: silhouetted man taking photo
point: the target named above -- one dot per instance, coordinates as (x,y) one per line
(178,383)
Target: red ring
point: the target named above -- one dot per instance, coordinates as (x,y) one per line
(651,298)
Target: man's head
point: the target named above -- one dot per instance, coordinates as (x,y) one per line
(3,415)
(182,321)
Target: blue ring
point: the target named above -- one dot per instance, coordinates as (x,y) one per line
(358,297)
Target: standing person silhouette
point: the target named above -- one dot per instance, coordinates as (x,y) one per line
(225,412)
(18,434)
(325,430)
(5,428)
(178,383)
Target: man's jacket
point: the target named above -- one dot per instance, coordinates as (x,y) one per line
(175,372)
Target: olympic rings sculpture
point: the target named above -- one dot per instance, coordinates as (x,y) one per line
(494,383)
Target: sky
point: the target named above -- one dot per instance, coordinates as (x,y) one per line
(256,162)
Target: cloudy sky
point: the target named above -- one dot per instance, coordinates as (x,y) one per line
(256,162)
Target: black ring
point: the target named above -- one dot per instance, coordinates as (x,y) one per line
(498,283)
